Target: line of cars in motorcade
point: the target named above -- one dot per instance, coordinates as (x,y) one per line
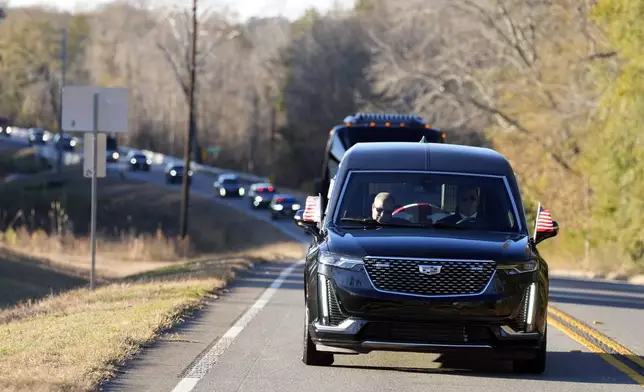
(39,136)
(69,143)
(260,195)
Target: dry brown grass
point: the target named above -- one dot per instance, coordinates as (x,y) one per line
(137,222)
(55,344)
(137,232)
(148,282)
(76,340)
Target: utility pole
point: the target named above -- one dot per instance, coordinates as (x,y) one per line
(63,67)
(190,128)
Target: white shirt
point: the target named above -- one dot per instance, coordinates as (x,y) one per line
(463,217)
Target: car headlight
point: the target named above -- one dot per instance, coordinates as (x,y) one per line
(189,172)
(278,207)
(133,161)
(296,207)
(518,268)
(241,191)
(72,143)
(115,155)
(258,198)
(340,261)
(222,191)
(149,162)
(173,172)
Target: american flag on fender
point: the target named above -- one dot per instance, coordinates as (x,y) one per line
(544,221)
(311,209)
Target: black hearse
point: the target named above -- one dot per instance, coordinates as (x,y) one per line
(425,248)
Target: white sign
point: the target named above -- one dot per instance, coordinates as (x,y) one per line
(88,155)
(88,107)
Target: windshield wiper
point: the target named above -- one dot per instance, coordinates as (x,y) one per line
(373,222)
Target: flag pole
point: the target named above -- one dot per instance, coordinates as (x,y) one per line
(536,222)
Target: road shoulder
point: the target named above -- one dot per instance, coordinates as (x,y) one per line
(161,366)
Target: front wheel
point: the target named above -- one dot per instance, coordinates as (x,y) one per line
(536,365)
(310,355)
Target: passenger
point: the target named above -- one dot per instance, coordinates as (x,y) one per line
(467,205)
(382,207)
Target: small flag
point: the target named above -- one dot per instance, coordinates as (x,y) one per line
(312,209)
(544,221)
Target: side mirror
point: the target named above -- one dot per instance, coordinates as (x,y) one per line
(308,226)
(544,235)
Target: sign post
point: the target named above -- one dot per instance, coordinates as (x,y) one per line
(94,110)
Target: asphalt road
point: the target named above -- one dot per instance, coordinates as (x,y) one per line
(250,339)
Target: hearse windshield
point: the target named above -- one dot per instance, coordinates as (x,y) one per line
(422,199)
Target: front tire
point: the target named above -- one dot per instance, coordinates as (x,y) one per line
(536,365)
(310,355)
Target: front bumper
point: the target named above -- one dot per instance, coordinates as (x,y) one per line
(359,336)
(286,212)
(140,165)
(350,316)
(178,178)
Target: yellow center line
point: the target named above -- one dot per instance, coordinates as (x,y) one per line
(601,353)
(597,335)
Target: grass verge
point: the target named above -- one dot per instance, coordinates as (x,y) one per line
(68,338)
(76,340)
(46,217)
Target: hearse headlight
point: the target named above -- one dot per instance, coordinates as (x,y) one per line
(340,261)
(519,268)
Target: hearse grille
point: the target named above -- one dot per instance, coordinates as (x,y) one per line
(429,277)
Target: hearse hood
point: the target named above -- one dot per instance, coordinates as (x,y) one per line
(429,243)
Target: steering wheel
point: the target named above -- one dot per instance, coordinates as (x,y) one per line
(428,206)
(403,208)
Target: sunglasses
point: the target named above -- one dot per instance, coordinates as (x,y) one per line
(381,210)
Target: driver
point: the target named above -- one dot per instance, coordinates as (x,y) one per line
(467,205)
(382,207)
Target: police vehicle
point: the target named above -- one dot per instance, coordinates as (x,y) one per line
(260,194)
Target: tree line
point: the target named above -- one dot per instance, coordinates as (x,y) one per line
(553,85)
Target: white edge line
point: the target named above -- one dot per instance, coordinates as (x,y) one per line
(189,382)
(198,370)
